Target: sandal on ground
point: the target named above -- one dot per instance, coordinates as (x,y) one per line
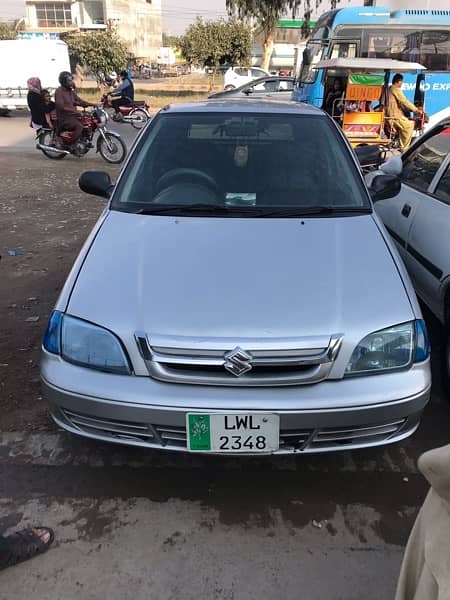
(23,545)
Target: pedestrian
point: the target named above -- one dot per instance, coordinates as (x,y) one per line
(425,572)
(36,103)
(398,105)
(23,545)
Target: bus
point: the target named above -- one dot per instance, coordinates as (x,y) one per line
(412,35)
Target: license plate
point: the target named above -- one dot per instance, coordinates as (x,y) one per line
(233,433)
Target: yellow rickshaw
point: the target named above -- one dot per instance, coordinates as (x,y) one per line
(360,106)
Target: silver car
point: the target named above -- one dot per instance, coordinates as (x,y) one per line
(418,220)
(238,294)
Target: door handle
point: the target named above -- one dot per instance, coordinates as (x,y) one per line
(406,210)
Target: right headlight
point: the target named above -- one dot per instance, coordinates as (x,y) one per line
(85,344)
(390,349)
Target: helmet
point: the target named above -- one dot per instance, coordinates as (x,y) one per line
(64,77)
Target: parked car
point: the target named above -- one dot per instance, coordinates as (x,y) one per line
(418,220)
(275,87)
(236,76)
(235,299)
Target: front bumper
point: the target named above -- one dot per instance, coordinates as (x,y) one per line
(328,416)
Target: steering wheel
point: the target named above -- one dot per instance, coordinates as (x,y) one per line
(179,176)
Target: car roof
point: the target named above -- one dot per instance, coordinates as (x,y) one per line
(239,105)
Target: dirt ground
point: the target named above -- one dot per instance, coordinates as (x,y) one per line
(45,219)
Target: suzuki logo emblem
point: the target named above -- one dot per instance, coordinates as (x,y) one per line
(238,361)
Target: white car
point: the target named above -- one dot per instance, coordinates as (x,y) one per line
(418,219)
(237,76)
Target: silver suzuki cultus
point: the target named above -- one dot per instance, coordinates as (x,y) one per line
(238,294)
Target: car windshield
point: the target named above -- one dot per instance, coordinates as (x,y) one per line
(235,164)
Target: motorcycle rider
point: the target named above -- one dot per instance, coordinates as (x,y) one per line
(124,94)
(66,101)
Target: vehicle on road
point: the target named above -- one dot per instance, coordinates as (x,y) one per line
(23,59)
(418,219)
(57,144)
(236,76)
(357,97)
(137,114)
(411,35)
(233,299)
(275,87)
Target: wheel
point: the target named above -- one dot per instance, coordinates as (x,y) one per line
(139,118)
(229,87)
(112,149)
(47,138)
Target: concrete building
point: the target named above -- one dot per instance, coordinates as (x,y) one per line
(138,22)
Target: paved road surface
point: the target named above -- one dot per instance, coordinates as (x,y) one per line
(134,524)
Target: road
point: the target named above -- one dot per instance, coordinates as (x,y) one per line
(133,524)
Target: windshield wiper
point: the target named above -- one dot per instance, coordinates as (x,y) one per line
(313,211)
(183,209)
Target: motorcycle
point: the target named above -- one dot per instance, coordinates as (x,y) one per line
(137,113)
(57,144)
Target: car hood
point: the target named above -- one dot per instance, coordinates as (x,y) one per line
(217,278)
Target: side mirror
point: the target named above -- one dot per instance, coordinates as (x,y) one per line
(97,183)
(384,187)
(369,156)
(249,91)
(393,166)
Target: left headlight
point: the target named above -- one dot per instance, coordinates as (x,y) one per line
(390,349)
(85,344)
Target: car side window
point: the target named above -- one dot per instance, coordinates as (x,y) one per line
(256,73)
(286,86)
(421,165)
(443,187)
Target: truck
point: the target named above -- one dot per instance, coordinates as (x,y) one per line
(25,58)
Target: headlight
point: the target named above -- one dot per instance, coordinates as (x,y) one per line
(101,116)
(390,349)
(85,344)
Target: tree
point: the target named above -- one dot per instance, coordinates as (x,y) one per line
(212,43)
(266,13)
(98,52)
(10,29)
(171,41)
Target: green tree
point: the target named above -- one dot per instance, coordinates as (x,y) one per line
(171,41)
(212,43)
(10,29)
(98,52)
(266,14)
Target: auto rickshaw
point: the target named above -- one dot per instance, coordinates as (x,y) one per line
(360,107)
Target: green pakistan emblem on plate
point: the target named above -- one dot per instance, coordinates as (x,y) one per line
(199,432)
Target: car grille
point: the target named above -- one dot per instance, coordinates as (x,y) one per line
(306,362)
(174,438)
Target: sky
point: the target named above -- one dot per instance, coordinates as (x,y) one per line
(177,14)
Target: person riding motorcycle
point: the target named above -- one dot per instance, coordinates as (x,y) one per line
(66,101)
(123,94)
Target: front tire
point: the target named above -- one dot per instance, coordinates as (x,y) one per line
(139,118)
(47,138)
(112,148)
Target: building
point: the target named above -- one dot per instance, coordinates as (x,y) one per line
(138,22)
